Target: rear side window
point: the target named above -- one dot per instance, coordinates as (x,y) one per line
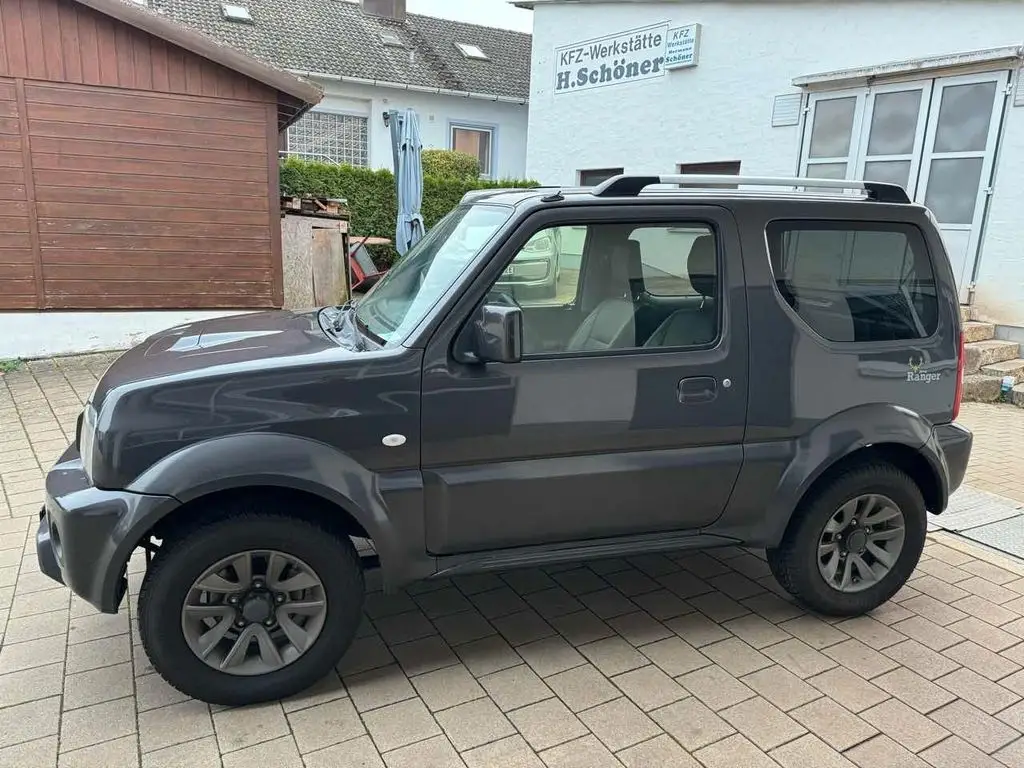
(856,281)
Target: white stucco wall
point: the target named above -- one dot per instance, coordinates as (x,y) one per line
(436,113)
(721,109)
(29,335)
(999,285)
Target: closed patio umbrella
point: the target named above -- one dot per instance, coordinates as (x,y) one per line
(409,180)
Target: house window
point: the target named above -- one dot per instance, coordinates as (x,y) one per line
(474,141)
(471,51)
(720,168)
(330,137)
(594,176)
(725,168)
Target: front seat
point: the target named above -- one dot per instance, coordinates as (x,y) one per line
(612,323)
(694,327)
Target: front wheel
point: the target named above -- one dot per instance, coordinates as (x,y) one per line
(250,608)
(854,543)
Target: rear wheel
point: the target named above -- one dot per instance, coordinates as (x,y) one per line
(854,543)
(250,608)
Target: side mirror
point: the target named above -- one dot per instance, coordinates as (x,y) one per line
(497,334)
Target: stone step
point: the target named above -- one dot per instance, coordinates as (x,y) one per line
(1013,368)
(1017,395)
(979,388)
(965,313)
(978,331)
(981,353)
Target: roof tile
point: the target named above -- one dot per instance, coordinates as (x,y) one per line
(335,37)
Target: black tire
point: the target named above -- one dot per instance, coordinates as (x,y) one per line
(183,558)
(794,562)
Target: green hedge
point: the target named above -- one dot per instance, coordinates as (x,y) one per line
(371,195)
(450,164)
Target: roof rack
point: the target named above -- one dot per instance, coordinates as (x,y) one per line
(475,194)
(631,186)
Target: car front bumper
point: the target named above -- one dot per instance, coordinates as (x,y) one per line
(86,534)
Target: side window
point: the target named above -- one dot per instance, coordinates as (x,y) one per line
(615,287)
(856,281)
(665,259)
(546,271)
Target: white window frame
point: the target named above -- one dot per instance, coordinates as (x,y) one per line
(915,156)
(490,130)
(472,51)
(806,161)
(319,158)
(988,155)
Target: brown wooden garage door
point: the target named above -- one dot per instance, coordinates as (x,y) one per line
(150,201)
(17,272)
(133,174)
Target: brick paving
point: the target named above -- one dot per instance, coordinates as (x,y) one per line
(688,660)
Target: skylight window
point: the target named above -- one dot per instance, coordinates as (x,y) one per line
(471,51)
(235,12)
(391,39)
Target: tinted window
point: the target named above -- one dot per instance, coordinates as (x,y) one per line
(856,282)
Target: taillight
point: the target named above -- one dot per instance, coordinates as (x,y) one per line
(960,364)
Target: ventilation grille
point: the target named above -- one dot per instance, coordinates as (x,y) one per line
(786,109)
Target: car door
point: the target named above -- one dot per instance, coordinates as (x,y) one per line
(608,438)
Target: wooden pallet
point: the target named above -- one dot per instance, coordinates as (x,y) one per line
(324,207)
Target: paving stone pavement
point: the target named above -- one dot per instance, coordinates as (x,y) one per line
(692,659)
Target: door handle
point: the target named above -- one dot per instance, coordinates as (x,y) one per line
(694,390)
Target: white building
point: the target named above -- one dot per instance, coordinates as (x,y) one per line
(915,91)
(468,83)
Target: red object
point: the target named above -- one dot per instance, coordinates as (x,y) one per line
(960,363)
(361,266)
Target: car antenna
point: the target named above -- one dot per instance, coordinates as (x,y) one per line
(553,197)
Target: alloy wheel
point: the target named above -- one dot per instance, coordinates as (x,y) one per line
(254,612)
(861,543)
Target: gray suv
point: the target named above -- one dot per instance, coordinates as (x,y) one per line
(765,367)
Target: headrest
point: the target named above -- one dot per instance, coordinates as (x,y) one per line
(702,266)
(622,264)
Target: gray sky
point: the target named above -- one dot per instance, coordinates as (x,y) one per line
(491,13)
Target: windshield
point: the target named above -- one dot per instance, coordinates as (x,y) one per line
(410,289)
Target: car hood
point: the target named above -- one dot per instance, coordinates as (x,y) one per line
(237,342)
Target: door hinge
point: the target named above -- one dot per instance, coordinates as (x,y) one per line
(990,191)
(1010,88)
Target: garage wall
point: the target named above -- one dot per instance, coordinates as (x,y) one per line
(17,263)
(148,175)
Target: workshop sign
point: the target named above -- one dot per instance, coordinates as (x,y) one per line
(630,56)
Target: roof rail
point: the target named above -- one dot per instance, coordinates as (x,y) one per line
(631,186)
(475,194)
